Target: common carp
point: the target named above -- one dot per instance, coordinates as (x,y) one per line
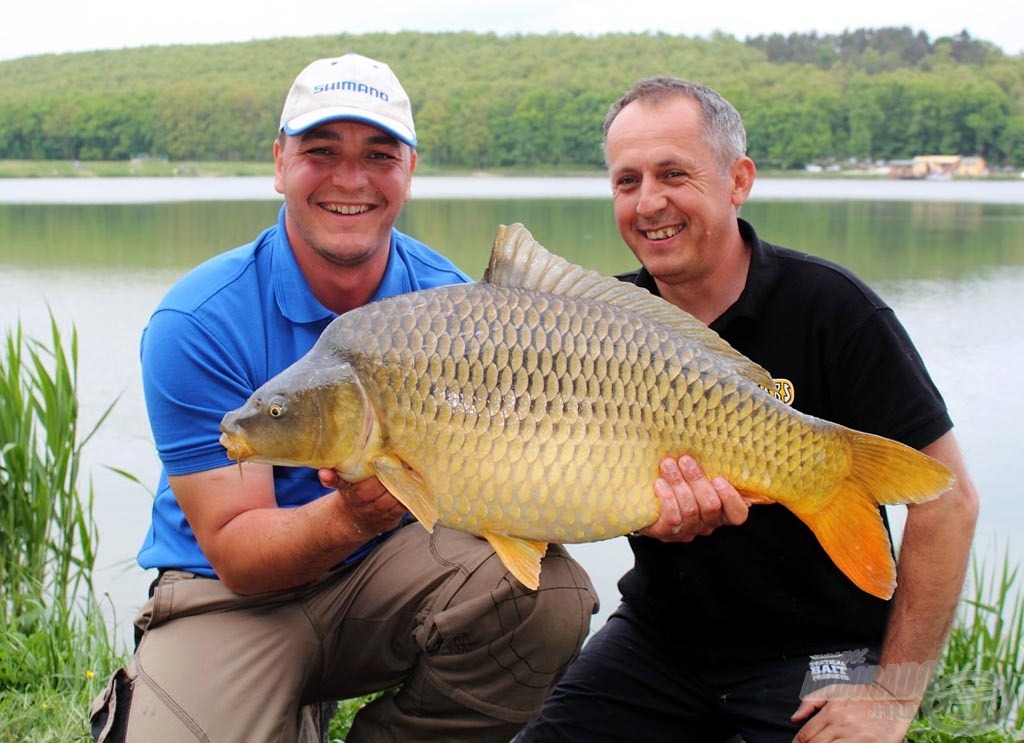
(534,407)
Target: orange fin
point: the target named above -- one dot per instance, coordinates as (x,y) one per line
(894,473)
(850,529)
(407,486)
(848,523)
(521,556)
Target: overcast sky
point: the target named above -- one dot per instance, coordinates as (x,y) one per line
(29,27)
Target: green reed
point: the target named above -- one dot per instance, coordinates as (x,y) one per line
(47,534)
(978,686)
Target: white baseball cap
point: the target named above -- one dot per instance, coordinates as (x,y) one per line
(351,87)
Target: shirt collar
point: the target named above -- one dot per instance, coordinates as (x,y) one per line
(761,276)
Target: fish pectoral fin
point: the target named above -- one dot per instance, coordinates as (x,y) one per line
(408,487)
(850,529)
(521,556)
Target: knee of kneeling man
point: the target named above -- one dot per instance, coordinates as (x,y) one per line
(559,611)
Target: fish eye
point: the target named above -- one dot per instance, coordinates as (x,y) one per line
(276,409)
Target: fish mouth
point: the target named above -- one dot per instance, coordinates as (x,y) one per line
(663,233)
(237,448)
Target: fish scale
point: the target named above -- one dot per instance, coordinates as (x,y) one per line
(534,407)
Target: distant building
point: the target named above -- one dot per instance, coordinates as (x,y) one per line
(938,166)
(903,169)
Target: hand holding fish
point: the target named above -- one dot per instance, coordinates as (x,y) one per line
(691,504)
(371,509)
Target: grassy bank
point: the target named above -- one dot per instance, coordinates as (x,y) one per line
(130,168)
(56,648)
(146,168)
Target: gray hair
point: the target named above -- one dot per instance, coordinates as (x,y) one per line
(722,126)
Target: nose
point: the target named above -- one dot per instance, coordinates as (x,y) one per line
(651,199)
(349,173)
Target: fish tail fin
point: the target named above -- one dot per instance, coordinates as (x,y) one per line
(848,524)
(894,473)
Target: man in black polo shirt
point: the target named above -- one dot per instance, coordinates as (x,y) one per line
(750,629)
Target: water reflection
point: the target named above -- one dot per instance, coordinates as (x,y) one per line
(877,240)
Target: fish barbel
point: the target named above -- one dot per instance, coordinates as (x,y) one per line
(534,407)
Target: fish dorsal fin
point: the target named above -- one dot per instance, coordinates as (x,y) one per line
(519,261)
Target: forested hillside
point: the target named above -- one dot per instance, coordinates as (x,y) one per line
(485,101)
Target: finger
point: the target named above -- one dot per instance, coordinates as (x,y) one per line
(734,508)
(681,491)
(364,491)
(329,478)
(807,708)
(705,495)
(671,514)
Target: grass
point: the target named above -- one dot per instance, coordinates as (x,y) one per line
(56,649)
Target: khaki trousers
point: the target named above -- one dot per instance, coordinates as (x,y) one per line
(466,651)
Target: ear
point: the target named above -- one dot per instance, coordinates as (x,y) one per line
(742,172)
(413,158)
(278,174)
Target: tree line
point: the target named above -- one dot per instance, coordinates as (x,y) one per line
(531,100)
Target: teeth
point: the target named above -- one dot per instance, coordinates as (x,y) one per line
(346,208)
(663,234)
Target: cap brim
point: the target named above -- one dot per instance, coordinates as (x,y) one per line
(305,122)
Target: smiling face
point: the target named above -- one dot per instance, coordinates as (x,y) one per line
(344,184)
(675,202)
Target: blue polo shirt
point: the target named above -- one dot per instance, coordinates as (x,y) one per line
(223,330)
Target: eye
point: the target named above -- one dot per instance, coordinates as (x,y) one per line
(276,409)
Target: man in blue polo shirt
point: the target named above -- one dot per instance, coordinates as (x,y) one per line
(280,588)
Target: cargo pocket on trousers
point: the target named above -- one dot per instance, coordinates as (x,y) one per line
(108,715)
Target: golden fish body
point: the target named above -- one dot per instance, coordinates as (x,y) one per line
(534,407)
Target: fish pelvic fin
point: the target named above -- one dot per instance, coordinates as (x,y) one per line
(518,261)
(849,525)
(521,556)
(408,487)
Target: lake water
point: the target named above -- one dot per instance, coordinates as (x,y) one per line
(99,254)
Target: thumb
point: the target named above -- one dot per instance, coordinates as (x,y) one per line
(328,478)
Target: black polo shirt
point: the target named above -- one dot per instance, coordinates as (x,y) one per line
(843,355)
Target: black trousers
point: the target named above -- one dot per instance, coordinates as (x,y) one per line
(630,684)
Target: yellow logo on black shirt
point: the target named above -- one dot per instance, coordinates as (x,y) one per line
(784,391)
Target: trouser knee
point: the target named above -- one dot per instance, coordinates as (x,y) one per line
(499,648)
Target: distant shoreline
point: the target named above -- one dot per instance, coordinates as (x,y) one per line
(142,190)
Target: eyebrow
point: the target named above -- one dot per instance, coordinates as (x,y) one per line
(325,132)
